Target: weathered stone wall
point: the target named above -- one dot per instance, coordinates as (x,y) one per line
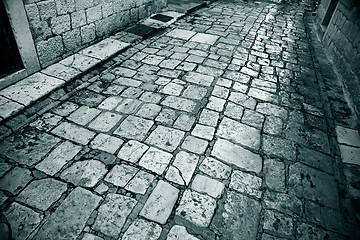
(342,40)
(61,27)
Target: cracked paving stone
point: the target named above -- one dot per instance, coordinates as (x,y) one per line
(198,78)
(238,218)
(84,173)
(105,121)
(22,220)
(83,115)
(179,103)
(166,116)
(120,175)
(134,128)
(253,118)
(165,138)
(178,232)
(240,133)
(209,186)
(142,229)
(160,203)
(106,143)
(246,183)
(196,208)
(132,151)
(74,133)
(215,168)
(263,95)
(15,180)
(46,121)
(234,154)
(57,159)
(184,122)
(42,193)
(28,147)
(195,92)
(182,169)
(279,147)
(314,185)
(194,144)
(278,223)
(69,219)
(243,100)
(155,160)
(140,183)
(112,214)
(282,202)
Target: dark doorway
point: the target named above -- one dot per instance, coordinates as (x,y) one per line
(10,60)
(329,12)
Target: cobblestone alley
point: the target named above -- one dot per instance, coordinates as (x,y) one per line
(215,128)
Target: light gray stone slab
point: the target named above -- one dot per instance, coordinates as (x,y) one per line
(22,220)
(165,138)
(240,133)
(348,136)
(350,154)
(15,180)
(209,117)
(46,121)
(106,143)
(160,203)
(184,122)
(243,100)
(80,62)
(74,133)
(120,175)
(57,158)
(215,168)
(104,49)
(128,105)
(172,89)
(216,104)
(196,208)
(134,128)
(179,103)
(182,168)
(31,88)
(246,183)
(199,78)
(89,236)
(234,154)
(142,229)
(9,107)
(62,72)
(84,173)
(204,38)
(195,92)
(110,103)
(149,110)
(132,151)
(112,214)
(194,144)
(70,217)
(42,193)
(140,183)
(178,232)
(155,160)
(105,121)
(209,186)
(83,115)
(272,110)
(180,33)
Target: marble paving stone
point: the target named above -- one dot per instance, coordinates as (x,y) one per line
(74,133)
(83,115)
(110,103)
(80,62)
(160,203)
(104,49)
(105,121)
(31,88)
(239,133)
(62,72)
(215,168)
(178,232)
(184,122)
(8,107)
(134,128)
(196,208)
(149,111)
(57,159)
(180,33)
(179,103)
(112,214)
(204,38)
(348,136)
(194,92)
(106,143)
(84,173)
(194,144)
(42,193)
(142,229)
(22,220)
(203,131)
(120,175)
(68,220)
(350,154)
(198,78)
(132,151)
(128,106)
(246,183)
(172,89)
(155,160)
(238,218)
(237,155)
(15,180)
(182,169)
(140,182)
(209,117)
(209,186)
(165,138)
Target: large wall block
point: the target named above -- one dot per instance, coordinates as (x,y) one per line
(61,27)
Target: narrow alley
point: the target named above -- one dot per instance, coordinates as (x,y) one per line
(216,127)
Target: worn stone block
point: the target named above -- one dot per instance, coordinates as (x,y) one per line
(155,160)
(93,14)
(73,132)
(78,19)
(165,138)
(72,40)
(182,169)
(134,128)
(50,50)
(60,24)
(47,9)
(88,33)
(120,175)
(15,180)
(142,229)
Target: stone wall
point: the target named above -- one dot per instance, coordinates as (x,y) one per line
(342,41)
(61,27)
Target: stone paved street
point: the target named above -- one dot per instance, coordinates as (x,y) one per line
(215,128)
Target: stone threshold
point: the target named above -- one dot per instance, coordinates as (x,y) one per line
(24,93)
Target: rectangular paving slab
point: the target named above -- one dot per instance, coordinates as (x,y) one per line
(105,49)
